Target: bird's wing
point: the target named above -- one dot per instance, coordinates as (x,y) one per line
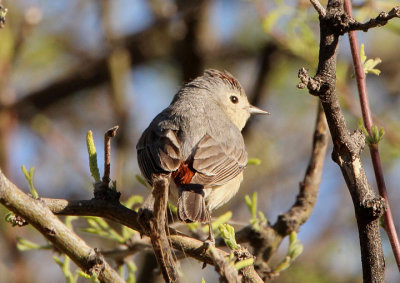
(158,152)
(216,163)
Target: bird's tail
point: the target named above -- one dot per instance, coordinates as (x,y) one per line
(191,204)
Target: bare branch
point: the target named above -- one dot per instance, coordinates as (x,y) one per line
(40,216)
(158,234)
(382,19)
(347,148)
(107,154)
(307,197)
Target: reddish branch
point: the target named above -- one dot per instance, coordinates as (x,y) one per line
(367,118)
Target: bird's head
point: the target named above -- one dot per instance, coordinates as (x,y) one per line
(230,96)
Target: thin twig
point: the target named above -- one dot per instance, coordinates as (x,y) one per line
(381,20)
(367,118)
(320,9)
(107,154)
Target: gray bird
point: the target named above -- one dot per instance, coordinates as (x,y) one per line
(197,140)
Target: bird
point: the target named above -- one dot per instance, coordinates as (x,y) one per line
(197,142)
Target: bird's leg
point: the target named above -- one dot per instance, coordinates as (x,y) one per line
(210,239)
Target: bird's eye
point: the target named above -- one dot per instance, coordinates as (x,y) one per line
(234,99)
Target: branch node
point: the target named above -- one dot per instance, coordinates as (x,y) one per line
(104,192)
(95,262)
(374,207)
(358,142)
(313,84)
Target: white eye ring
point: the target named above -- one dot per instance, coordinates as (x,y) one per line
(234,99)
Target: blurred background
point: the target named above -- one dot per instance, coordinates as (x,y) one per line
(67,67)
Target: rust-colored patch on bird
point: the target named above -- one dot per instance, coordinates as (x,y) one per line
(229,79)
(183,175)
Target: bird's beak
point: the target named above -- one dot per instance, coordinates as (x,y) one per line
(257,111)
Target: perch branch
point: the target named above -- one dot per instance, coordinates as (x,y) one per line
(117,212)
(41,217)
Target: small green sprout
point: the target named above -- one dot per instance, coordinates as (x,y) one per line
(29,179)
(252,205)
(294,250)
(91,148)
(92,277)
(26,245)
(217,222)
(99,227)
(377,133)
(254,161)
(244,263)
(370,64)
(228,234)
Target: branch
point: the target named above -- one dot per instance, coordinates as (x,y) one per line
(157,232)
(117,212)
(381,20)
(318,7)
(107,154)
(367,118)
(41,217)
(266,241)
(298,214)
(347,148)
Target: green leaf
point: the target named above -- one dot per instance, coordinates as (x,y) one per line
(254,161)
(91,148)
(26,245)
